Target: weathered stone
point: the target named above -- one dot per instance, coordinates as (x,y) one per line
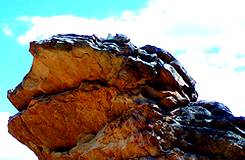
(76,111)
(65,61)
(86,97)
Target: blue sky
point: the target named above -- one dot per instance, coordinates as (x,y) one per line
(207,37)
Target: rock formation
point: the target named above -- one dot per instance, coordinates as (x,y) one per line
(87,97)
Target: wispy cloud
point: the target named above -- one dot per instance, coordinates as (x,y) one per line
(206,36)
(7,31)
(11,149)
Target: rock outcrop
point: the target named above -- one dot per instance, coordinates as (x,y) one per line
(87,97)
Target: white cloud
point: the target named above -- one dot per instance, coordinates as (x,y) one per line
(10,148)
(192,26)
(7,31)
(215,82)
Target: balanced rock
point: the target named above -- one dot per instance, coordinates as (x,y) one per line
(87,97)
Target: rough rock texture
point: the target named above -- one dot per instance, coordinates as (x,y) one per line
(86,97)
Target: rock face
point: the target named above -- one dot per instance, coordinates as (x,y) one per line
(86,97)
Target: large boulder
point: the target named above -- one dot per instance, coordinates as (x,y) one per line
(87,97)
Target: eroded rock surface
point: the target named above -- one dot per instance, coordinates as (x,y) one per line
(87,97)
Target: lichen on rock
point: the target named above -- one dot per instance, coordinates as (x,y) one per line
(88,97)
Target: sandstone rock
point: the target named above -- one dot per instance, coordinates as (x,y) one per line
(65,61)
(86,97)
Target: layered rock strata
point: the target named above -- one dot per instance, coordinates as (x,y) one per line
(87,97)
